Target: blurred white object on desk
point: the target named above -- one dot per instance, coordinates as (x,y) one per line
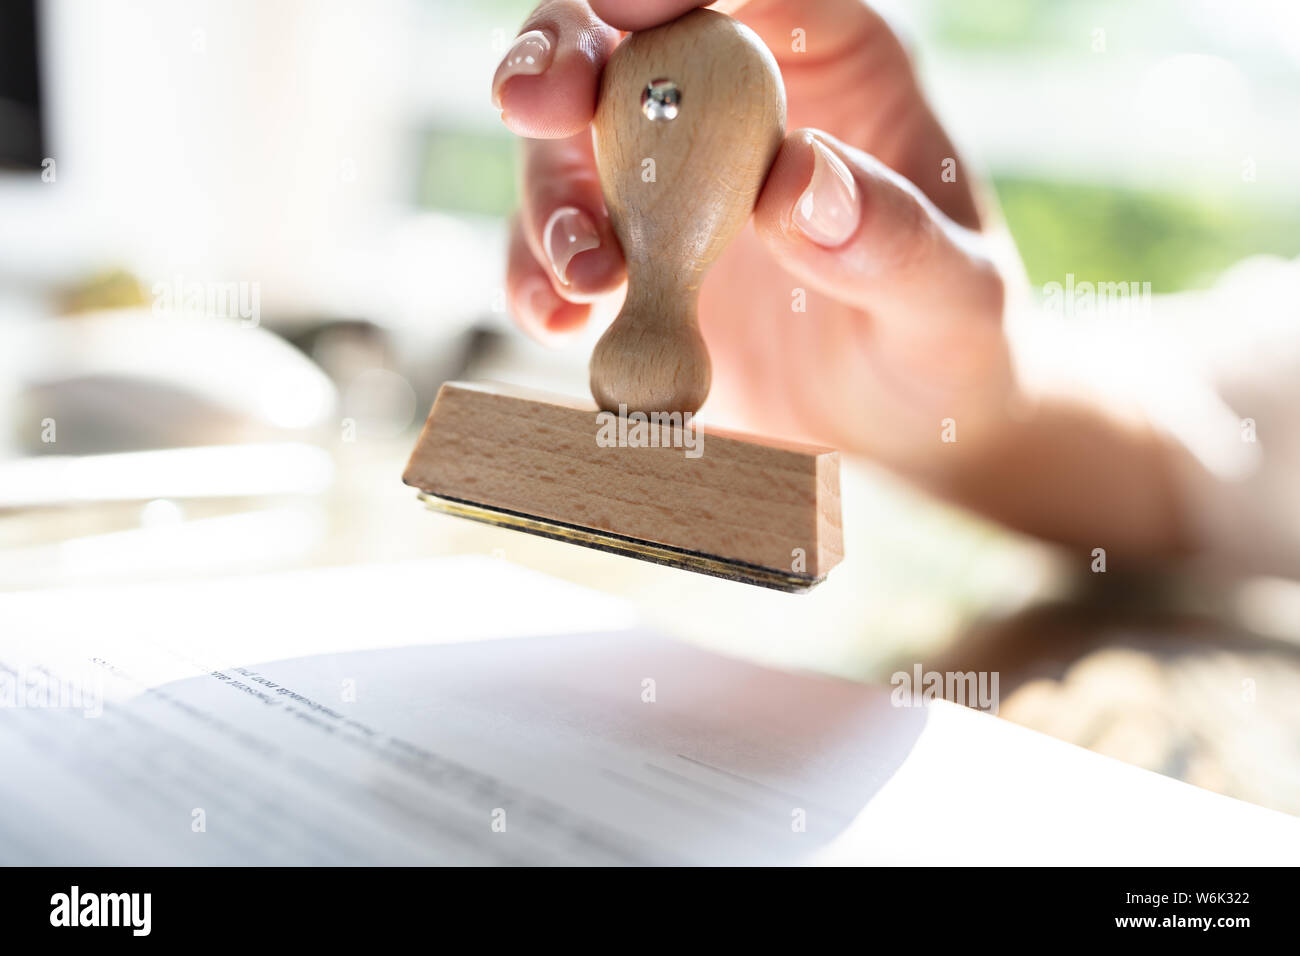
(125,379)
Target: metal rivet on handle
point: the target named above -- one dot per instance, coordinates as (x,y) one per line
(660,100)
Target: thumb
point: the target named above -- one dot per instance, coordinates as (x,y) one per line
(840,220)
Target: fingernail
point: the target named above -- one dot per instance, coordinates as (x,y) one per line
(828,211)
(531,54)
(568,232)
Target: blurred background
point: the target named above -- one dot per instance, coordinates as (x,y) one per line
(242,243)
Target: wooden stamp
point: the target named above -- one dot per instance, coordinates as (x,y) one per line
(697,103)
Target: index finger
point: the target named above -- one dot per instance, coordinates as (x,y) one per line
(547,83)
(642,14)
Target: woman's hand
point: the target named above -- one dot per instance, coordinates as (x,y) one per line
(862,309)
(870,222)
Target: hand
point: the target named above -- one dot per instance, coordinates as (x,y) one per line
(868,209)
(903,304)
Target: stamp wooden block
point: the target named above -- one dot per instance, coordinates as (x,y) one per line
(762,511)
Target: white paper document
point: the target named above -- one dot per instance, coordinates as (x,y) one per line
(469,711)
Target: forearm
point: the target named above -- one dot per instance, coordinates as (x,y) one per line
(1068,472)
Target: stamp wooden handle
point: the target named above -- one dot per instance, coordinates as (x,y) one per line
(690,117)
